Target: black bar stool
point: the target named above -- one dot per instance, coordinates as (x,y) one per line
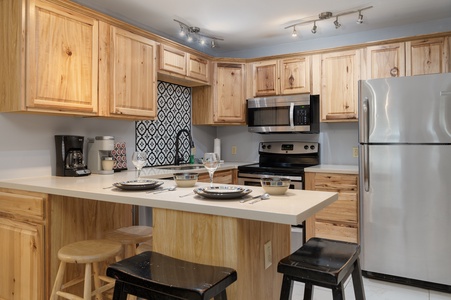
(152,275)
(325,263)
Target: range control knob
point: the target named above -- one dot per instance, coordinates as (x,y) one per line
(306,147)
(269,147)
(312,147)
(263,146)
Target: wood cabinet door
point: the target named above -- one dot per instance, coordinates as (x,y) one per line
(295,75)
(172,60)
(62,60)
(22,260)
(198,67)
(428,56)
(230,93)
(340,72)
(385,61)
(132,74)
(266,78)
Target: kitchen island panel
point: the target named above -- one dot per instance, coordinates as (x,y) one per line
(225,241)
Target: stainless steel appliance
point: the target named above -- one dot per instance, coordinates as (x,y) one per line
(284,114)
(405,185)
(286,159)
(69,156)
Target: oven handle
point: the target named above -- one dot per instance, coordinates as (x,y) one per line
(292,115)
(259,176)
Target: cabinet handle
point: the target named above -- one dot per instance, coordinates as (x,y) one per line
(394,72)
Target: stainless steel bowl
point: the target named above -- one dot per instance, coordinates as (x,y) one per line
(275,185)
(185,179)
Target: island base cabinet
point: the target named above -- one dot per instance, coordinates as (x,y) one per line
(228,242)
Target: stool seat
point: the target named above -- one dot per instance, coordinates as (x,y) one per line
(130,237)
(151,274)
(89,251)
(325,263)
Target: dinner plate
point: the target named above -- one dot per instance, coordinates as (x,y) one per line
(223,190)
(220,195)
(136,185)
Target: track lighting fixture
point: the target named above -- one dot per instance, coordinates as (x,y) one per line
(193,34)
(336,23)
(360,18)
(327,15)
(314,27)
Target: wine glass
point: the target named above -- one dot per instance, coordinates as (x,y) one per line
(211,163)
(139,159)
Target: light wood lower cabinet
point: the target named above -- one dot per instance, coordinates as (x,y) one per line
(340,220)
(223,177)
(34,226)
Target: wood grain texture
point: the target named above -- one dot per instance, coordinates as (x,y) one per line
(225,241)
(385,61)
(340,220)
(427,56)
(266,78)
(295,75)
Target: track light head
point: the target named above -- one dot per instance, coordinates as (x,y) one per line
(337,24)
(360,18)
(294,33)
(314,28)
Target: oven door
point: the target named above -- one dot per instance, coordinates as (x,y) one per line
(254,180)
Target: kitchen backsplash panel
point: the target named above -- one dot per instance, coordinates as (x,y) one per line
(157,137)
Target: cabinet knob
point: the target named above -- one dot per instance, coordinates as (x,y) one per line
(394,72)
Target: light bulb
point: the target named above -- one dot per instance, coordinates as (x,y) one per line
(294,33)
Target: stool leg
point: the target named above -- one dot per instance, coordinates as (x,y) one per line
(88,288)
(221,296)
(58,280)
(357,281)
(338,292)
(308,291)
(118,291)
(97,283)
(287,287)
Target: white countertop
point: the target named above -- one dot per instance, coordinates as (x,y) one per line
(342,169)
(292,208)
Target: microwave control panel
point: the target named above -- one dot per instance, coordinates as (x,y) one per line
(302,115)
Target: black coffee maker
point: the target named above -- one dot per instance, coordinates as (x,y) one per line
(69,156)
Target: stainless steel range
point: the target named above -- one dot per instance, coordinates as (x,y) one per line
(287,159)
(284,159)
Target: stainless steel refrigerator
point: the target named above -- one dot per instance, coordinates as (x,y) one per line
(405,179)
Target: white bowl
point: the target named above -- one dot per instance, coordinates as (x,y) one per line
(185,179)
(275,185)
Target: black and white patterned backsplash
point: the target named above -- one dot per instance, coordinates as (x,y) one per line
(157,138)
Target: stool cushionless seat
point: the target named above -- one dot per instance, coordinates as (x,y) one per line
(130,237)
(325,263)
(152,275)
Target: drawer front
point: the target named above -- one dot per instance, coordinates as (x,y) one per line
(336,232)
(22,205)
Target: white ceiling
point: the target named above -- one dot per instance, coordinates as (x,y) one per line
(251,24)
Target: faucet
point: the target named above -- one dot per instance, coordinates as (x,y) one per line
(178,158)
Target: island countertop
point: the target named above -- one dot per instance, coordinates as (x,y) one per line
(292,208)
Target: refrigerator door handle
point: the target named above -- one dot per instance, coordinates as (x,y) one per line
(445,93)
(365,167)
(364,122)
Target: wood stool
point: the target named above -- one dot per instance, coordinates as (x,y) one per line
(130,237)
(325,263)
(152,275)
(90,253)
(144,246)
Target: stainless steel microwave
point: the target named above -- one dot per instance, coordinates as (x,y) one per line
(284,114)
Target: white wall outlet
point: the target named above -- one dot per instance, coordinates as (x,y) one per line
(233,150)
(268,254)
(355,152)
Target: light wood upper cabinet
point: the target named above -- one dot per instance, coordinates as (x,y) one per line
(428,56)
(385,61)
(281,77)
(183,68)
(340,72)
(127,74)
(340,220)
(53,68)
(417,57)
(225,101)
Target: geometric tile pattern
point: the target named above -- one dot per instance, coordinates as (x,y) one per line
(157,137)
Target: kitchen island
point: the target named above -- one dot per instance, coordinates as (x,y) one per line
(221,232)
